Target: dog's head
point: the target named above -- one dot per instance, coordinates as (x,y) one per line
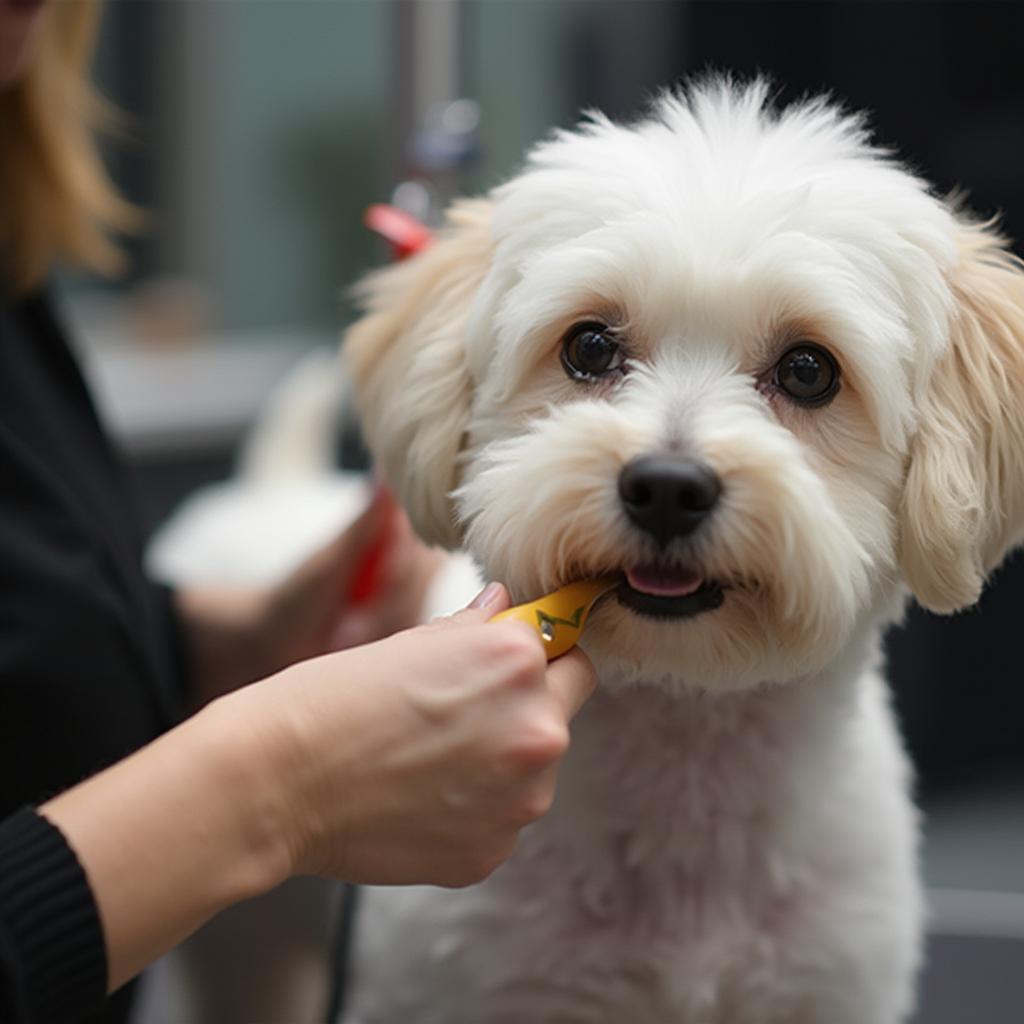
(741,357)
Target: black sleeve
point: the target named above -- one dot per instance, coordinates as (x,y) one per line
(53,963)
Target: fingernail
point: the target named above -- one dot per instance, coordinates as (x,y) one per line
(487,596)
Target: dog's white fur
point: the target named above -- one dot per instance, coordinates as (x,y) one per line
(733,840)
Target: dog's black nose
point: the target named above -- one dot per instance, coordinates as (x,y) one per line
(667,497)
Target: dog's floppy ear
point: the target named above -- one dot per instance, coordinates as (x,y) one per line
(407,357)
(963,499)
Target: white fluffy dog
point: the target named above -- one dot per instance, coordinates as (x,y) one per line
(749,362)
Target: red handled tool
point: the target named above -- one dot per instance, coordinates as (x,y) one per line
(406,236)
(404,232)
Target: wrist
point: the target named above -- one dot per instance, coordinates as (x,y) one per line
(174,834)
(243,758)
(295,780)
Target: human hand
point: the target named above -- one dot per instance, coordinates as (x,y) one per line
(316,610)
(414,760)
(237,635)
(419,758)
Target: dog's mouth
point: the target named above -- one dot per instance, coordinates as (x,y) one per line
(665,591)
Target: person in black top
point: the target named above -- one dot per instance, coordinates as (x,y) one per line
(365,765)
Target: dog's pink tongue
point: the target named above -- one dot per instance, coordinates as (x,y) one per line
(662,580)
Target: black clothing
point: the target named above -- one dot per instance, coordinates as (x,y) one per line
(90,662)
(50,935)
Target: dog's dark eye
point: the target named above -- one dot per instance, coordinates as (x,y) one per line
(808,374)
(590,351)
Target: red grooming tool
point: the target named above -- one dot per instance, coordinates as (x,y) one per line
(367,577)
(406,236)
(404,232)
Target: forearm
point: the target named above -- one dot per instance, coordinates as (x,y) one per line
(172,835)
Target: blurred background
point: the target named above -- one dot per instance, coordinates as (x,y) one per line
(259,130)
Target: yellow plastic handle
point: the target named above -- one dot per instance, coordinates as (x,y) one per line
(559,617)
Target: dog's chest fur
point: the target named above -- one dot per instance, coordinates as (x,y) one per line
(685,872)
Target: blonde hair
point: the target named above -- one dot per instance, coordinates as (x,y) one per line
(56,201)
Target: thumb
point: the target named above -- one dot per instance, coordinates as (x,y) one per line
(571,679)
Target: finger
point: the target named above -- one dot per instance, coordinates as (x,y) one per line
(353,630)
(394,606)
(571,679)
(491,600)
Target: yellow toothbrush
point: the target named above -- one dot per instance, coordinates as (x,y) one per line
(559,617)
